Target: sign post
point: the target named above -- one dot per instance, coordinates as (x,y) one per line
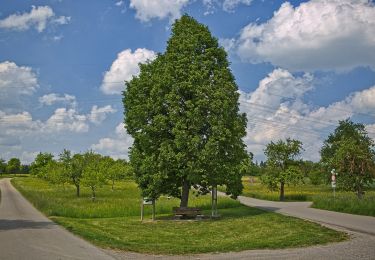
(148,201)
(333,182)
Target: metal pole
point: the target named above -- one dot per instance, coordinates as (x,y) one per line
(142,210)
(153,210)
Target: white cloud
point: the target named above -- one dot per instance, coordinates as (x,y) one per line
(66,120)
(116,147)
(37,18)
(119,3)
(230,5)
(277,110)
(53,98)
(316,35)
(99,114)
(124,68)
(16,81)
(149,9)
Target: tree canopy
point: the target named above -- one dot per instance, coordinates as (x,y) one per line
(351,152)
(282,166)
(182,111)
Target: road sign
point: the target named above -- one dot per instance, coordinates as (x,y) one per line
(333,184)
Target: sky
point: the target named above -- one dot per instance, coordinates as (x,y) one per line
(300,66)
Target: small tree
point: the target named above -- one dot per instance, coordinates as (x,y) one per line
(282,168)
(54,172)
(351,152)
(14,166)
(117,170)
(76,171)
(3,166)
(93,175)
(41,160)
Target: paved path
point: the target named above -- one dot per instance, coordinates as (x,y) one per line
(26,234)
(362,224)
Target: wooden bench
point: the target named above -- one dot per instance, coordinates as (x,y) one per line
(187,212)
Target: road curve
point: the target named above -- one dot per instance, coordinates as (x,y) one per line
(26,234)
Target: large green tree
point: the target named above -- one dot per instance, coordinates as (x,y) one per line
(282,166)
(182,111)
(13,166)
(351,152)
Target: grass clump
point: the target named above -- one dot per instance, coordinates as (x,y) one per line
(113,221)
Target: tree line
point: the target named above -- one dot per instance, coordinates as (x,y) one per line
(89,169)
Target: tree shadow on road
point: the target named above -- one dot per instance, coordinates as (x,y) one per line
(10,224)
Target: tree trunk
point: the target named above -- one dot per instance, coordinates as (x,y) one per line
(185,193)
(360,193)
(282,197)
(93,193)
(113,184)
(77,187)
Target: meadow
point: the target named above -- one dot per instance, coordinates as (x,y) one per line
(320,195)
(113,221)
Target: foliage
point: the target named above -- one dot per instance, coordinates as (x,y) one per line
(113,222)
(351,152)
(41,160)
(93,174)
(282,167)
(13,166)
(117,170)
(182,111)
(3,166)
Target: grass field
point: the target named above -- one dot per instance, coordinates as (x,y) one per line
(113,222)
(320,195)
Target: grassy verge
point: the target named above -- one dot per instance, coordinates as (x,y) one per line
(113,221)
(320,195)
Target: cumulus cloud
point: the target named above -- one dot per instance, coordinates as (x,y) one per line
(65,119)
(16,81)
(124,68)
(316,35)
(37,18)
(277,110)
(230,5)
(117,146)
(149,9)
(53,98)
(99,114)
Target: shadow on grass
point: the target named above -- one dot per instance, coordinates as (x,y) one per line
(225,213)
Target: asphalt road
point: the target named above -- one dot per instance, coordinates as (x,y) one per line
(26,234)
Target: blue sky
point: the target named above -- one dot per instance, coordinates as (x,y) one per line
(300,66)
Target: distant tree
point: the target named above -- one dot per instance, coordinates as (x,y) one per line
(25,169)
(314,171)
(76,172)
(117,170)
(3,166)
(351,152)
(14,166)
(93,175)
(182,111)
(282,167)
(41,161)
(54,172)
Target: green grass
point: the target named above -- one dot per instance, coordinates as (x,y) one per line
(113,222)
(320,195)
